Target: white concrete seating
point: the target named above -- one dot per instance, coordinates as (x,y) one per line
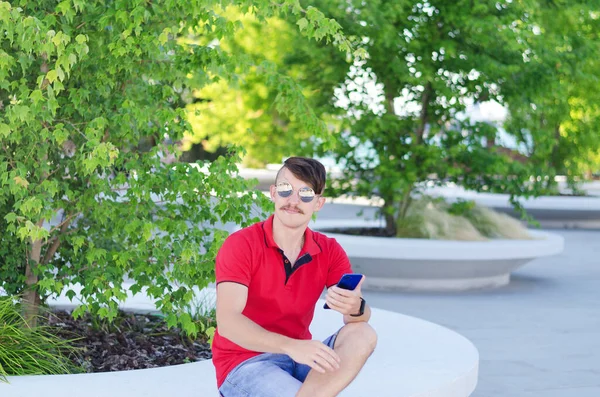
(413,358)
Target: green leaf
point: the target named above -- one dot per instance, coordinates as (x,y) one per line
(4,130)
(60,135)
(103,312)
(302,23)
(147,231)
(22,112)
(72,59)
(21,181)
(164,36)
(77,242)
(11,217)
(70,294)
(60,74)
(171,320)
(36,96)
(52,75)
(64,7)
(79,311)
(58,39)
(135,289)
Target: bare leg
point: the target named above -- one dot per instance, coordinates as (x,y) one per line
(354,344)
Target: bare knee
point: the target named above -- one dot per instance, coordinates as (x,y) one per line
(361,336)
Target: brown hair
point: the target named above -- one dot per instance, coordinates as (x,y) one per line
(308,170)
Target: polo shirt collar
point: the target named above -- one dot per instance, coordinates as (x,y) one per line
(310,245)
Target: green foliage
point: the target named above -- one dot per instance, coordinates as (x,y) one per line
(461,207)
(82,85)
(202,313)
(251,111)
(26,351)
(553,112)
(12,266)
(429,60)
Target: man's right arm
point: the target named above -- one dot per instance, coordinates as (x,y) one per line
(233,325)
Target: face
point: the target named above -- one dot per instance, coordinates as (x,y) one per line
(293,210)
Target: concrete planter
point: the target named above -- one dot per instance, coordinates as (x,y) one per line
(437,265)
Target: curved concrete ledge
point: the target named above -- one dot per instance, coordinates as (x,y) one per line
(551,211)
(440,265)
(413,358)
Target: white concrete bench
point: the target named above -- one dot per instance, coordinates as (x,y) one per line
(413,358)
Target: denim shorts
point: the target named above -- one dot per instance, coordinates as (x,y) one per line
(268,375)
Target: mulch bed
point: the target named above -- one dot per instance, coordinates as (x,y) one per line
(135,341)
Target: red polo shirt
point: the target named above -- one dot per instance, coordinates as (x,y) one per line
(281,299)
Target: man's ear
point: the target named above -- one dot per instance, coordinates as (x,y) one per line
(272,192)
(320,203)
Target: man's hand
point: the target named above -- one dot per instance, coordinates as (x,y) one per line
(313,353)
(345,301)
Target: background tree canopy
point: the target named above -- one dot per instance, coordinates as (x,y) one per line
(399,114)
(244,111)
(553,112)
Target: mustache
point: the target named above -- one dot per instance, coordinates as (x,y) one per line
(289,207)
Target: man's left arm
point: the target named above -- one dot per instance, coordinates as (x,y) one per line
(349,303)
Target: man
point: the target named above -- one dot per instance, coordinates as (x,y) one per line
(269,278)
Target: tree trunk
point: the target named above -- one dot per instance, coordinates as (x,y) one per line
(388,199)
(405,204)
(424,117)
(390,223)
(31,298)
(555,161)
(394,211)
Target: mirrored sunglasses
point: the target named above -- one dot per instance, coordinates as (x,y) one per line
(285,190)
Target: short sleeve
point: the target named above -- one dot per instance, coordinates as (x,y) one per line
(233,261)
(339,264)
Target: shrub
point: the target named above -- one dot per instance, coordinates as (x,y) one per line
(30,351)
(434,218)
(93,98)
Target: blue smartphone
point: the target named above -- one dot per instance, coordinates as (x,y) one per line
(348,281)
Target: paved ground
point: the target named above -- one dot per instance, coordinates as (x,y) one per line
(539,336)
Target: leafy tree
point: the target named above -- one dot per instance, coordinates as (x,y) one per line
(553,112)
(82,201)
(428,60)
(242,111)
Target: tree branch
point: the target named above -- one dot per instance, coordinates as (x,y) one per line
(56,239)
(424,114)
(67,221)
(10,161)
(74,127)
(64,276)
